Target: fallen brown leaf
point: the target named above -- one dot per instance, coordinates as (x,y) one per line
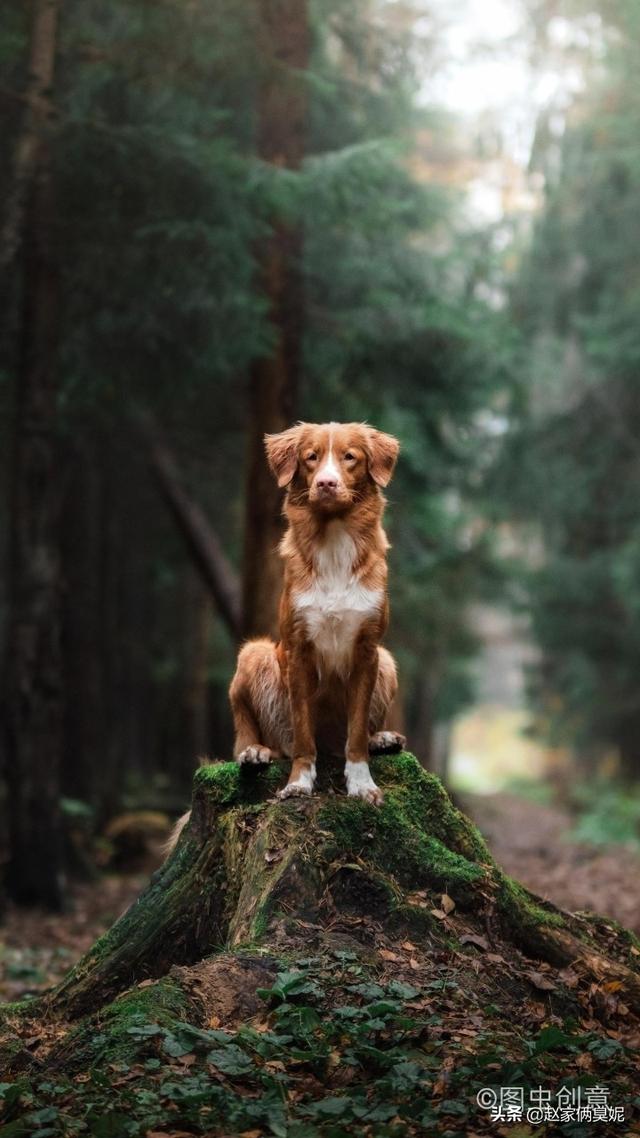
(419,898)
(447,903)
(475,938)
(386,954)
(176,1134)
(539,981)
(275,1065)
(569,978)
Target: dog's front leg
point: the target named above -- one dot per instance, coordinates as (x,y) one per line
(303,681)
(361,684)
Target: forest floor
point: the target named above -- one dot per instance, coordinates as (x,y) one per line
(456,1016)
(37,949)
(532,842)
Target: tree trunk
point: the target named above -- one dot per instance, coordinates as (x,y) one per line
(32,690)
(113,557)
(423,728)
(202,542)
(85,758)
(196,678)
(378,905)
(273,389)
(28,158)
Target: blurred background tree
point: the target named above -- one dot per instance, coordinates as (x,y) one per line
(220,217)
(237,240)
(570,465)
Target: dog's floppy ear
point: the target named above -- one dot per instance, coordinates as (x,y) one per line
(383,452)
(282,454)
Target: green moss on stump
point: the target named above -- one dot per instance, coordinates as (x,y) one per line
(425,802)
(518,907)
(228,784)
(248,861)
(417,834)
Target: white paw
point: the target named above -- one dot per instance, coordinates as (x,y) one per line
(360,783)
(255,755)
(294,790)
(386,741)
(303,784)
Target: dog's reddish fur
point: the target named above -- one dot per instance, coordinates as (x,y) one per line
(327,683)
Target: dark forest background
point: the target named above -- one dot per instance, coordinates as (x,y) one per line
(220,217)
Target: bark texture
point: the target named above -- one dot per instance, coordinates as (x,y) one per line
(32,711)
(274,380)
(201,540)
(247,862)
(39,109)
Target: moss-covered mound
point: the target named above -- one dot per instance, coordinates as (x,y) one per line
(320,966)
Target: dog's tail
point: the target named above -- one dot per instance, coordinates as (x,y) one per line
(174,836)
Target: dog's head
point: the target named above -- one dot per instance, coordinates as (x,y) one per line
(331,465)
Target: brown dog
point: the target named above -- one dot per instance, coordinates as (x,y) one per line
(327,683)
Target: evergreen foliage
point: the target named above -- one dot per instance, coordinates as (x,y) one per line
(569,469)
(161,205)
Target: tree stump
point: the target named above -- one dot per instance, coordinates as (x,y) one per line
(288,949)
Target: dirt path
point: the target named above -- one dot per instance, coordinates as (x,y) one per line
(531,842)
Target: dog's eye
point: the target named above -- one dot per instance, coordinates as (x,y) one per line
(312,457)
(349,457)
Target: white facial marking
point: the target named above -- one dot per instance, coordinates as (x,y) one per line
(358,779)
(336,604)
(329,470)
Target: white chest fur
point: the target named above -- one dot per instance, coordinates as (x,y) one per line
(336,604)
